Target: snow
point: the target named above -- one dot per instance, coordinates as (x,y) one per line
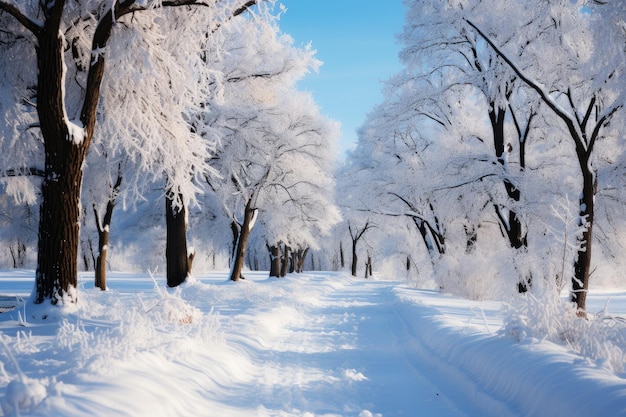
(319,344)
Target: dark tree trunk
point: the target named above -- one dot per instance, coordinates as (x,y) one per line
(342,260)
(57,250)
(57,256)
(285,261)
(510,221)
(234,229)
(582,264)
(242,241)
(293,261)
(177,259)
(355,258)
(274,261)
(433,240)
(355,236)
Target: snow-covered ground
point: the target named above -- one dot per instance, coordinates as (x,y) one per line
(307,345)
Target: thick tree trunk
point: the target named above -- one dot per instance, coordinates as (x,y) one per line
(242,241)
(57,251)
(176,257)
(57,255)
(274,261)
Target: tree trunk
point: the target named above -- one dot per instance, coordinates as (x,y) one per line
(57,250)
(234,228)
(285,261)
(342,260)
(57,256)
(56,276)
(368,266)
(301,256)
(355,259)
(274,261)
(242,241)
(101,260)
(103,234)
(511,222)
(582,264)
(176,256)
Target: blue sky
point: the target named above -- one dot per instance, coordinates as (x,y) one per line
(356,40)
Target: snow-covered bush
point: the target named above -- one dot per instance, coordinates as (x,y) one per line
(546,316)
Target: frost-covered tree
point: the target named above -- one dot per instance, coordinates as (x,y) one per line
(441,55)
(275,149)
(459,123)
(60,48)
(577,69)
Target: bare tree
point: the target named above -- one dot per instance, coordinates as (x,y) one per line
(356,233)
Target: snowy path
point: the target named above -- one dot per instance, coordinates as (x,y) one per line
(362,348)
(355,356)
(308,345)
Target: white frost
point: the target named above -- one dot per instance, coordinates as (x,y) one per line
(75,130)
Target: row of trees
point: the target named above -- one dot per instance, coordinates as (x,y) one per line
(503,111)
(196,105)
(494,154)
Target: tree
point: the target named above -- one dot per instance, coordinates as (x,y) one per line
(585,109)
(356,233)
(274,151)
(58,32)
(103,227)
(440,51)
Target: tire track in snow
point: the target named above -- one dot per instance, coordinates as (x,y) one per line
(459,385)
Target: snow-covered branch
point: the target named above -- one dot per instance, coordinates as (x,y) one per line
(14,10)
(543,93)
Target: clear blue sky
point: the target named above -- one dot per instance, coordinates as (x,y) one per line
(356,40)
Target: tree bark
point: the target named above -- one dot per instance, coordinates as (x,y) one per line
(511,222)
(355,259)
(57,251)
(56,276)
(177,259)
(242,241)
(57,255)
(285,261)
(582,264)
(104,228)
(301,257)
(274,261)
(342,261)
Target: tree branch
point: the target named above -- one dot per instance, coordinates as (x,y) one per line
(25,172)
(545,97)
(29,24)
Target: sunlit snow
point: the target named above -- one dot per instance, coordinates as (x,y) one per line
(322,344)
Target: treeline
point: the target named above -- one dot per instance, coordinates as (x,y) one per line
(186,106)
(500,147)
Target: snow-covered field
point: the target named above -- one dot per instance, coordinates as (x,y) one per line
(307,345)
